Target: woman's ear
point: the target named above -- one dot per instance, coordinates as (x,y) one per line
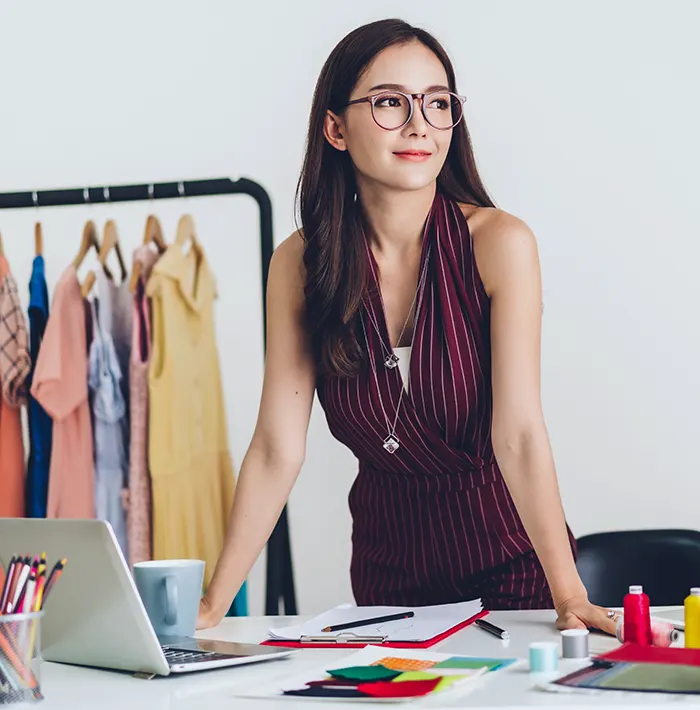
(333,131)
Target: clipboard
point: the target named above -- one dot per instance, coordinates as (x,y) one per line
(347,639)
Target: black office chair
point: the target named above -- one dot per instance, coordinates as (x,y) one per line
(665,562)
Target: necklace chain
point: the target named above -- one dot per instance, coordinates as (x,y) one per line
(391,442)
(390,358)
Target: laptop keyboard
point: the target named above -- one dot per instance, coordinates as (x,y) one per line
(176,656)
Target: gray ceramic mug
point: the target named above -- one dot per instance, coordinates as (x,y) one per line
(170,591)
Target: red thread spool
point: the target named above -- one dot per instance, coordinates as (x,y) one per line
(637,625)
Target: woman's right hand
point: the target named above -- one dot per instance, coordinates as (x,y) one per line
(208,616)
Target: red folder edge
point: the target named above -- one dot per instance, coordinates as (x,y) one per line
(385,644)
(633,653)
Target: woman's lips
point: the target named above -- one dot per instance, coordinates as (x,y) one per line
(415,156)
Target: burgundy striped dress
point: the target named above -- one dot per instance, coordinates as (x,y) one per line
(433,522)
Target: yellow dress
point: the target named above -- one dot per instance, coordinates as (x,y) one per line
(191,470)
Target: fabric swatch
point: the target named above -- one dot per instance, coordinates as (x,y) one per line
(364,673)
(333,683)
(404,664)
(458,662)
(444,681)
(404,689)
(633,653)
(323,692)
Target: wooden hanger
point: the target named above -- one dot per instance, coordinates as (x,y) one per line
(87,285)
(38,240)
(153,234)
(89,240)
(110,240)
(187,232)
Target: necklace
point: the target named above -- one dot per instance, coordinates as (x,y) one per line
(391,359)
(391,441)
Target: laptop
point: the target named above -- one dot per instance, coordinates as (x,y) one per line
(94,615)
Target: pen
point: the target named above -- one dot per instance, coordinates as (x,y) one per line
(492,629)
(366,622)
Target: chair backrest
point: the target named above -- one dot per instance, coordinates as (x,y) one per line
(665,562)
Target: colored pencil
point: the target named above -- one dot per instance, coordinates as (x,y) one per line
(7,583)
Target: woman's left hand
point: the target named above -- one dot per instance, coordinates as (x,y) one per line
(579,613)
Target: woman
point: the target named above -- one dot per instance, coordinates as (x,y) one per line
(412,306)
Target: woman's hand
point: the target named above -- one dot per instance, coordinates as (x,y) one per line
(579,613)
(208,616)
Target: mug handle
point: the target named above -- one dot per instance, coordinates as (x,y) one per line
(170,599)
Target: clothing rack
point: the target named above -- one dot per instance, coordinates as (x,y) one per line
(279,572)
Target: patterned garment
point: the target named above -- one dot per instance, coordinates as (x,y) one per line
(433,522)
(14,369)
(15,364)
(40,425)
(139,506)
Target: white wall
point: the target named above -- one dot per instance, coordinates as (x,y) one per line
(585,122)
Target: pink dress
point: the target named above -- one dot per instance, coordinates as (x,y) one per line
(61,388)
(138,499)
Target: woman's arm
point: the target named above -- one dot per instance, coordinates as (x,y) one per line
(506,253)
(276,452)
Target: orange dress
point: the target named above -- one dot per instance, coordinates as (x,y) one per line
(14,369)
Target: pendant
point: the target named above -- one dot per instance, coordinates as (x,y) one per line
(391,443)
(391,361)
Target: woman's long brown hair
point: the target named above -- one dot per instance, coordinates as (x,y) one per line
(334,253)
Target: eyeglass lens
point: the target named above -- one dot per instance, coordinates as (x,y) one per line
(441,109)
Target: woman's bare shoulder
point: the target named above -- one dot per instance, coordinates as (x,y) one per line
(288,258)
(498,236)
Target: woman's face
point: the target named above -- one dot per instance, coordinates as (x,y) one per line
(411,157)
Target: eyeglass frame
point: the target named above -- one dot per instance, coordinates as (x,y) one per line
(411,98)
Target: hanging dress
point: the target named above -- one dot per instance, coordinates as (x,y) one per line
(60,386)
(14,370)
(40,426)
(191,470)
(139,508)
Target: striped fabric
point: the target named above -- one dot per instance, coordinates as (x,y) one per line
(433,522)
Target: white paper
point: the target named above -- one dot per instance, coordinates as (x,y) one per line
(428,622)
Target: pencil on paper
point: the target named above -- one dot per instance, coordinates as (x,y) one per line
(367,622)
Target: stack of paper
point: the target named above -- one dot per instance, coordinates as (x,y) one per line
(426,623)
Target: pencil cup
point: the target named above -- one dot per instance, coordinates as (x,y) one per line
(20,658)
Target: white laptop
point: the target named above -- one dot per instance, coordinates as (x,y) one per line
(94,615)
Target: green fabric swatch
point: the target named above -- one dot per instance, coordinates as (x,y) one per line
(364,674)
(472,663)
(445,681)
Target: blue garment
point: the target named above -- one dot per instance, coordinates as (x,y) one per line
(40,424)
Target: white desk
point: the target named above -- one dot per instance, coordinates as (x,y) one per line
(73,688)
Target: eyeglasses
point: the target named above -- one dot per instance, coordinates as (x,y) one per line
(392,110)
